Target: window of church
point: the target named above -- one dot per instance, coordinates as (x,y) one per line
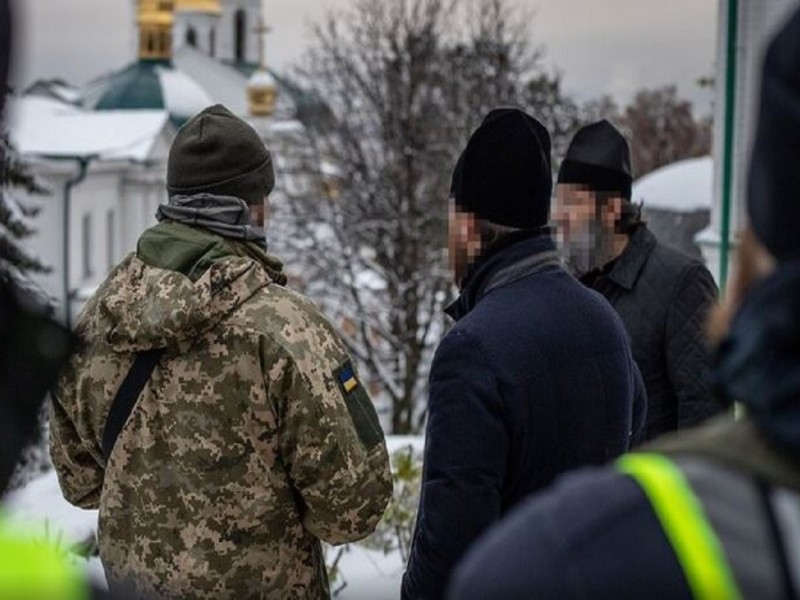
(212,43)
(110,235)
(240,35)
(164,49)
(86,240)
(191,37)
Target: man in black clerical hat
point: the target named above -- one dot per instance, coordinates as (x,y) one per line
(662,295)
(535,378)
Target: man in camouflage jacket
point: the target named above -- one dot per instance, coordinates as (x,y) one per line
(253,438)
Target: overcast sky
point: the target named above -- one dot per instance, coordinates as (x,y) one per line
(600,46)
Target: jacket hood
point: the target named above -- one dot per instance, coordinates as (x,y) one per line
(199,280)
(759,363)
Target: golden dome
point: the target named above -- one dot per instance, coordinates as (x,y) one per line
(202,6)
(262,93)
(156,12)
(155,19)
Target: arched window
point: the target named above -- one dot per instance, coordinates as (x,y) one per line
(166,39)
(240,35)
(191,37)
(212,43)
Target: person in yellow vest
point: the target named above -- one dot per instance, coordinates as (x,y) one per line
(712,514)
(32,571)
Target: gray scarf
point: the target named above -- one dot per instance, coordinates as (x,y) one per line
(227,216)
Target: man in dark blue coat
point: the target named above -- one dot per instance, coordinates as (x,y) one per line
(535,378)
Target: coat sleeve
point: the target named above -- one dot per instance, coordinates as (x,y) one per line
(331,442)
(465,465)
(80,469)
(639,419)
(687,353)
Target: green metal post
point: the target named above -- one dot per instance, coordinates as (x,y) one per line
(727,159)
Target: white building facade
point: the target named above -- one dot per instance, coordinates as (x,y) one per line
(102,150)
(105,174)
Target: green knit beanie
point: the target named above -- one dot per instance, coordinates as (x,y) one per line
(216,152)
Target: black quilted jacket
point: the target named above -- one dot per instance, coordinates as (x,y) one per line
(664,298)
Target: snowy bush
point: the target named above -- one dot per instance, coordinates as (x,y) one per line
(396,529)
(393,536)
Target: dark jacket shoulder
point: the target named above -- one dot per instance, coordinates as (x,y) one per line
(664,298)
(557,545)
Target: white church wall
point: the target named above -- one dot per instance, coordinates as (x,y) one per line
(143,189)
(206,31)
(252,10)
(139,203)
(92,202)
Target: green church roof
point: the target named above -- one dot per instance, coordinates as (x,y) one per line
(136,87)
(140,86)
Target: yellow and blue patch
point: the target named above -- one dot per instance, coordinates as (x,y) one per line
(362,412)
(347,377)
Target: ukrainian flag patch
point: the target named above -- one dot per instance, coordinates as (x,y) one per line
(347,377)
(362,412)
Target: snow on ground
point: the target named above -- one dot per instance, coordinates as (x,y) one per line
(369,575)
(40,509)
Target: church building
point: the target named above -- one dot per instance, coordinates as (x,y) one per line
(101,149)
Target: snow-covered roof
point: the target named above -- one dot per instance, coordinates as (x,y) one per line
(148,85)
(44,127)
(684,186)
(56,89)
(227,85)
(183,97)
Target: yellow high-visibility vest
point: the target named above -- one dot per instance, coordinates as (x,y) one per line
(681,515)
(34,570)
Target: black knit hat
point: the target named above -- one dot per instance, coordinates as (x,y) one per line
(774,186)
(599,158)
(218,153)
(504,174)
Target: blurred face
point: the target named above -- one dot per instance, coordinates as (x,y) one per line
(585,227)
(464,241)
(259,213)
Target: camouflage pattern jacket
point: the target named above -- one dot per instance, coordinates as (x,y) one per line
(252,441)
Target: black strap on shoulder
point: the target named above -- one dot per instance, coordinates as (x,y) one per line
(127,395)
